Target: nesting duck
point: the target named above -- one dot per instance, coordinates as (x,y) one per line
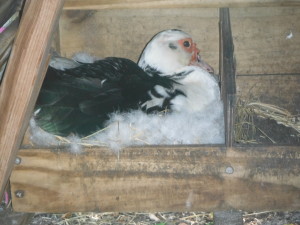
(78,98)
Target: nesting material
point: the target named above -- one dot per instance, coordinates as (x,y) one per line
(137,128)
(256,119)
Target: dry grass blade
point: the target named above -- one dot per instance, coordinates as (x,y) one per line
(280,115)
(245,128)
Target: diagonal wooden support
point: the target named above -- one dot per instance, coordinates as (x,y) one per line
(23,77)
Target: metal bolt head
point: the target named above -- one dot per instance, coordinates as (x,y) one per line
(19,193)
(229,170)
(18,160)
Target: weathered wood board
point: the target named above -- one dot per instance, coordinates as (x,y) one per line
(124,33)
(119,4)
(23,78)
(267,40)
(261,35)
(279,90)
(158,179)
(227,74)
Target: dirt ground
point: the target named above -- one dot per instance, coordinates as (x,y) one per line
(168,218)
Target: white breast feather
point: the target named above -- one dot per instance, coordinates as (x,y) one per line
(200,88)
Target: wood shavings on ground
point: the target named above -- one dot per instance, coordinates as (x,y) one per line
(162,218)
(115,218)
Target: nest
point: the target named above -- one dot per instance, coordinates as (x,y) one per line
(137,128)
(248,115)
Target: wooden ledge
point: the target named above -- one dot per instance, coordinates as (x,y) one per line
(132,4)
(182,178)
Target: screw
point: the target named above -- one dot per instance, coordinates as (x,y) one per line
(18,160)
(229,170)
(19,193)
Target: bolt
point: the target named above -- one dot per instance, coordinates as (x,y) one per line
(18,160)
(229,170)
(19,193)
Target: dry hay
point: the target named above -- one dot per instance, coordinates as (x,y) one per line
(246,129)
(134,218)
(162,218)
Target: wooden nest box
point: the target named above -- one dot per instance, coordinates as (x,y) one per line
(245,176)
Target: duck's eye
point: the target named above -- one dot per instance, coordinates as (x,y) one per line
(186,44)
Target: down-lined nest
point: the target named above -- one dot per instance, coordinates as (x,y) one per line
(137,128)
(256,120)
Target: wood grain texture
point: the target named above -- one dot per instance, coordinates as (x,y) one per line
(124,33)
(23,78)
(227,74)
(121,4)
(280,90)
(261,39)
(158,179)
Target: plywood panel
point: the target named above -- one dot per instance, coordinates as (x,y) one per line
(104,4)
(280,90)
(262,43)
(157,179)
(124,33)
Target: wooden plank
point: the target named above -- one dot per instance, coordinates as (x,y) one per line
(281,90)
(157,179)
(227,74)
(266,40)
(121,4)
(124,33)
(23,77)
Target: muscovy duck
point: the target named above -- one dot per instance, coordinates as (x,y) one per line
(77,98)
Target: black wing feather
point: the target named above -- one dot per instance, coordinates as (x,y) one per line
(79,100)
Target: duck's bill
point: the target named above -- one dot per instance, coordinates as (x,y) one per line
(197,61)
(201,63)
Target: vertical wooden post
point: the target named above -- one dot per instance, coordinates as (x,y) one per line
(227,72)
(228,92)
(23,77)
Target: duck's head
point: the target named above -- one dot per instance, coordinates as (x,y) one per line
(171,50)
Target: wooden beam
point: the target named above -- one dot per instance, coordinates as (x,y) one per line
(121,4)
(23,78)
(181,178)
(227,74)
